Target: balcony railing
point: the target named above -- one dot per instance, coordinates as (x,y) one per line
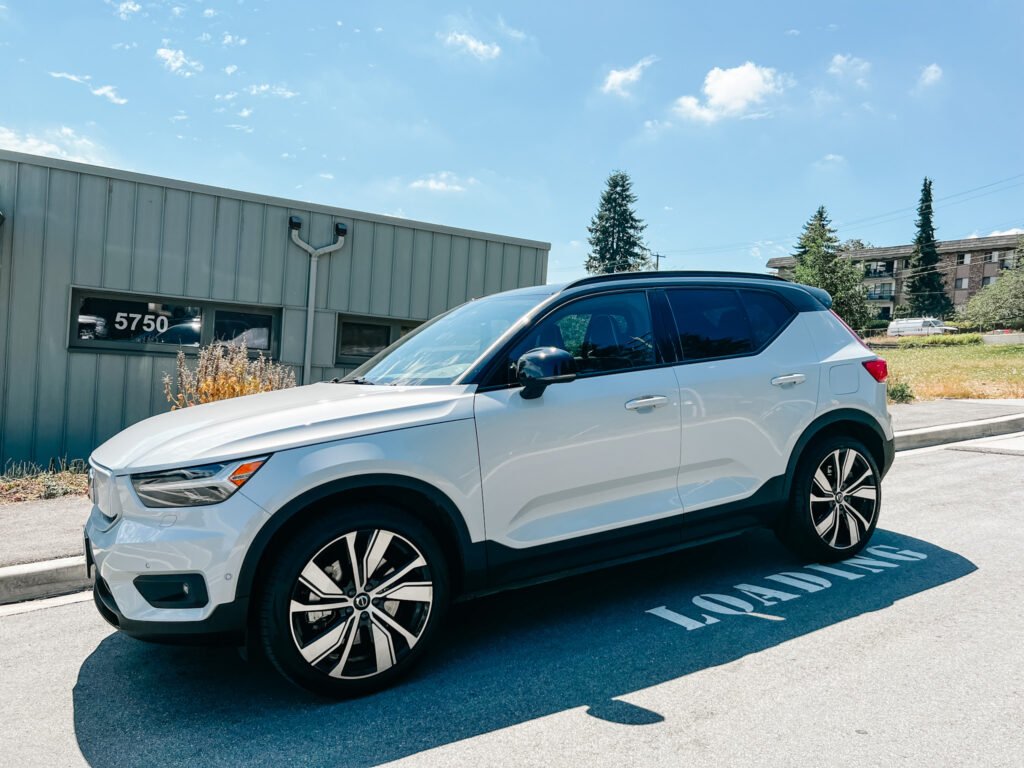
(878,272)
(880,295)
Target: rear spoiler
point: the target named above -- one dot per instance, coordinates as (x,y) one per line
(820,294)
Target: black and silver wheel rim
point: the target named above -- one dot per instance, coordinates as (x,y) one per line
(361,604)
(844,498)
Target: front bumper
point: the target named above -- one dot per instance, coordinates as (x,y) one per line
(204,546)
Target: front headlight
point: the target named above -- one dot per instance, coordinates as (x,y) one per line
(195,486)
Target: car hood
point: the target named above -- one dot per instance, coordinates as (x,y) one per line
(275,421)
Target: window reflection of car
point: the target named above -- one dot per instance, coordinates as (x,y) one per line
(182,334)
(240,333)
(92,327)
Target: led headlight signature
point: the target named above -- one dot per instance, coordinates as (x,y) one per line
(195,486)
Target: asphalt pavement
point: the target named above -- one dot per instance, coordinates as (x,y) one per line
(911,657)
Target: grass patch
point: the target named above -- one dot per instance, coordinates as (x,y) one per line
(972,371)
(25,481)
(942,340)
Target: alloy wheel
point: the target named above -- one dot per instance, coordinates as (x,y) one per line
(844,498)
(361,604)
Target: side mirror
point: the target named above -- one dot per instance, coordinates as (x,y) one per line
(538,368)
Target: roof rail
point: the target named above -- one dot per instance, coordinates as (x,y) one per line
(668,273)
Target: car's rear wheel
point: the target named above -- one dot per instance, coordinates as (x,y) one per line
(837,494)
(353,600)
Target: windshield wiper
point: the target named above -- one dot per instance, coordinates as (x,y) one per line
(356,380)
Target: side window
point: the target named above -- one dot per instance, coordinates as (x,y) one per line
(609,332)
(711,323)
(767,314)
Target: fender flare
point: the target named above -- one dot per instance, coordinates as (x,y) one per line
(829,419)
(472,556)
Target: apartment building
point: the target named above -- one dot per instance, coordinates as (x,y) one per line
(966,267)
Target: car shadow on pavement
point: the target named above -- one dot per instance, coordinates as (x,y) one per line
(504,660)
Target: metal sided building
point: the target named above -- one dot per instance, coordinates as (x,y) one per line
(105,275)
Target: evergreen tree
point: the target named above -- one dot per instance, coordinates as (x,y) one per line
(924,287)
(818,263)
(616,232)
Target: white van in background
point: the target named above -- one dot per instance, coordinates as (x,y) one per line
(918,326)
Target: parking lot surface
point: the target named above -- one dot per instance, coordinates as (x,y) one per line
(733,654)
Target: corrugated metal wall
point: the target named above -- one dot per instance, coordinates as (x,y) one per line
(71,225)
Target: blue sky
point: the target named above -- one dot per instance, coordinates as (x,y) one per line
(735,120)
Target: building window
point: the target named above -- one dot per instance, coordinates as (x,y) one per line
(247,328)
(992,256)
(101,320)
(906,263)
(987,280)
(963,258)
(360,338)
(962,282)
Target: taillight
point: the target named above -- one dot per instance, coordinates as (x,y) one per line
(852,332)
(878,369)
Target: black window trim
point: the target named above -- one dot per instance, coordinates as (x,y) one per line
(681,360)
(206,330)
(495,366)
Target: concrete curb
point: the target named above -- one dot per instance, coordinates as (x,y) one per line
(67,574)
(953,433)
(46,579)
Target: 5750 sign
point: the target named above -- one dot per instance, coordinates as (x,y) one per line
(134,321)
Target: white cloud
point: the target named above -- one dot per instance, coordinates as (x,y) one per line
(265,89)
(1011,231)
(126,9)
(245,113)
(230,39)
(229,96)
(239,127)
(61,142)
(831,160)
(328,176)
(847,67)
(109,92)
(209,13)
(287,156)
(731,93)
(124,46)
(378,29)
(180,117)
(177,62)
(177,10)
(445,181)
(230,69)
(205,37)
(618,81)
(793,32)
(83,79)
(510,32)
(469,44)
(930,75)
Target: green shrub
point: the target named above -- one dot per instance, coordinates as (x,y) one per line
(898,391)
(944,340)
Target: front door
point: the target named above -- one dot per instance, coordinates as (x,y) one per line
(587,457)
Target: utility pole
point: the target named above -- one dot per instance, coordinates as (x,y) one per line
(657,261)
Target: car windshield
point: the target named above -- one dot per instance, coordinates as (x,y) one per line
(443,349)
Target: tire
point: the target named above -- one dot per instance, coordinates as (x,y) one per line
(374,626)
(824,522)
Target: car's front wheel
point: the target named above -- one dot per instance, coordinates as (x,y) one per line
(353,600)
(836,497)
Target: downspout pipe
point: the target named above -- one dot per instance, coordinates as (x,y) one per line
(340,231)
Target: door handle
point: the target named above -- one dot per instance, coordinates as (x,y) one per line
(788,379)
(647,401)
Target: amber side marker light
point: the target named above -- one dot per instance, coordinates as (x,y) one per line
(241,475)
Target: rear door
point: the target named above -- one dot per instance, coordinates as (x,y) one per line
(748,383)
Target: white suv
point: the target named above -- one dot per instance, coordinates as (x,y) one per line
(517,437)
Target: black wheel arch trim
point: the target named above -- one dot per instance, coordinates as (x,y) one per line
(469,572)
(830,419)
